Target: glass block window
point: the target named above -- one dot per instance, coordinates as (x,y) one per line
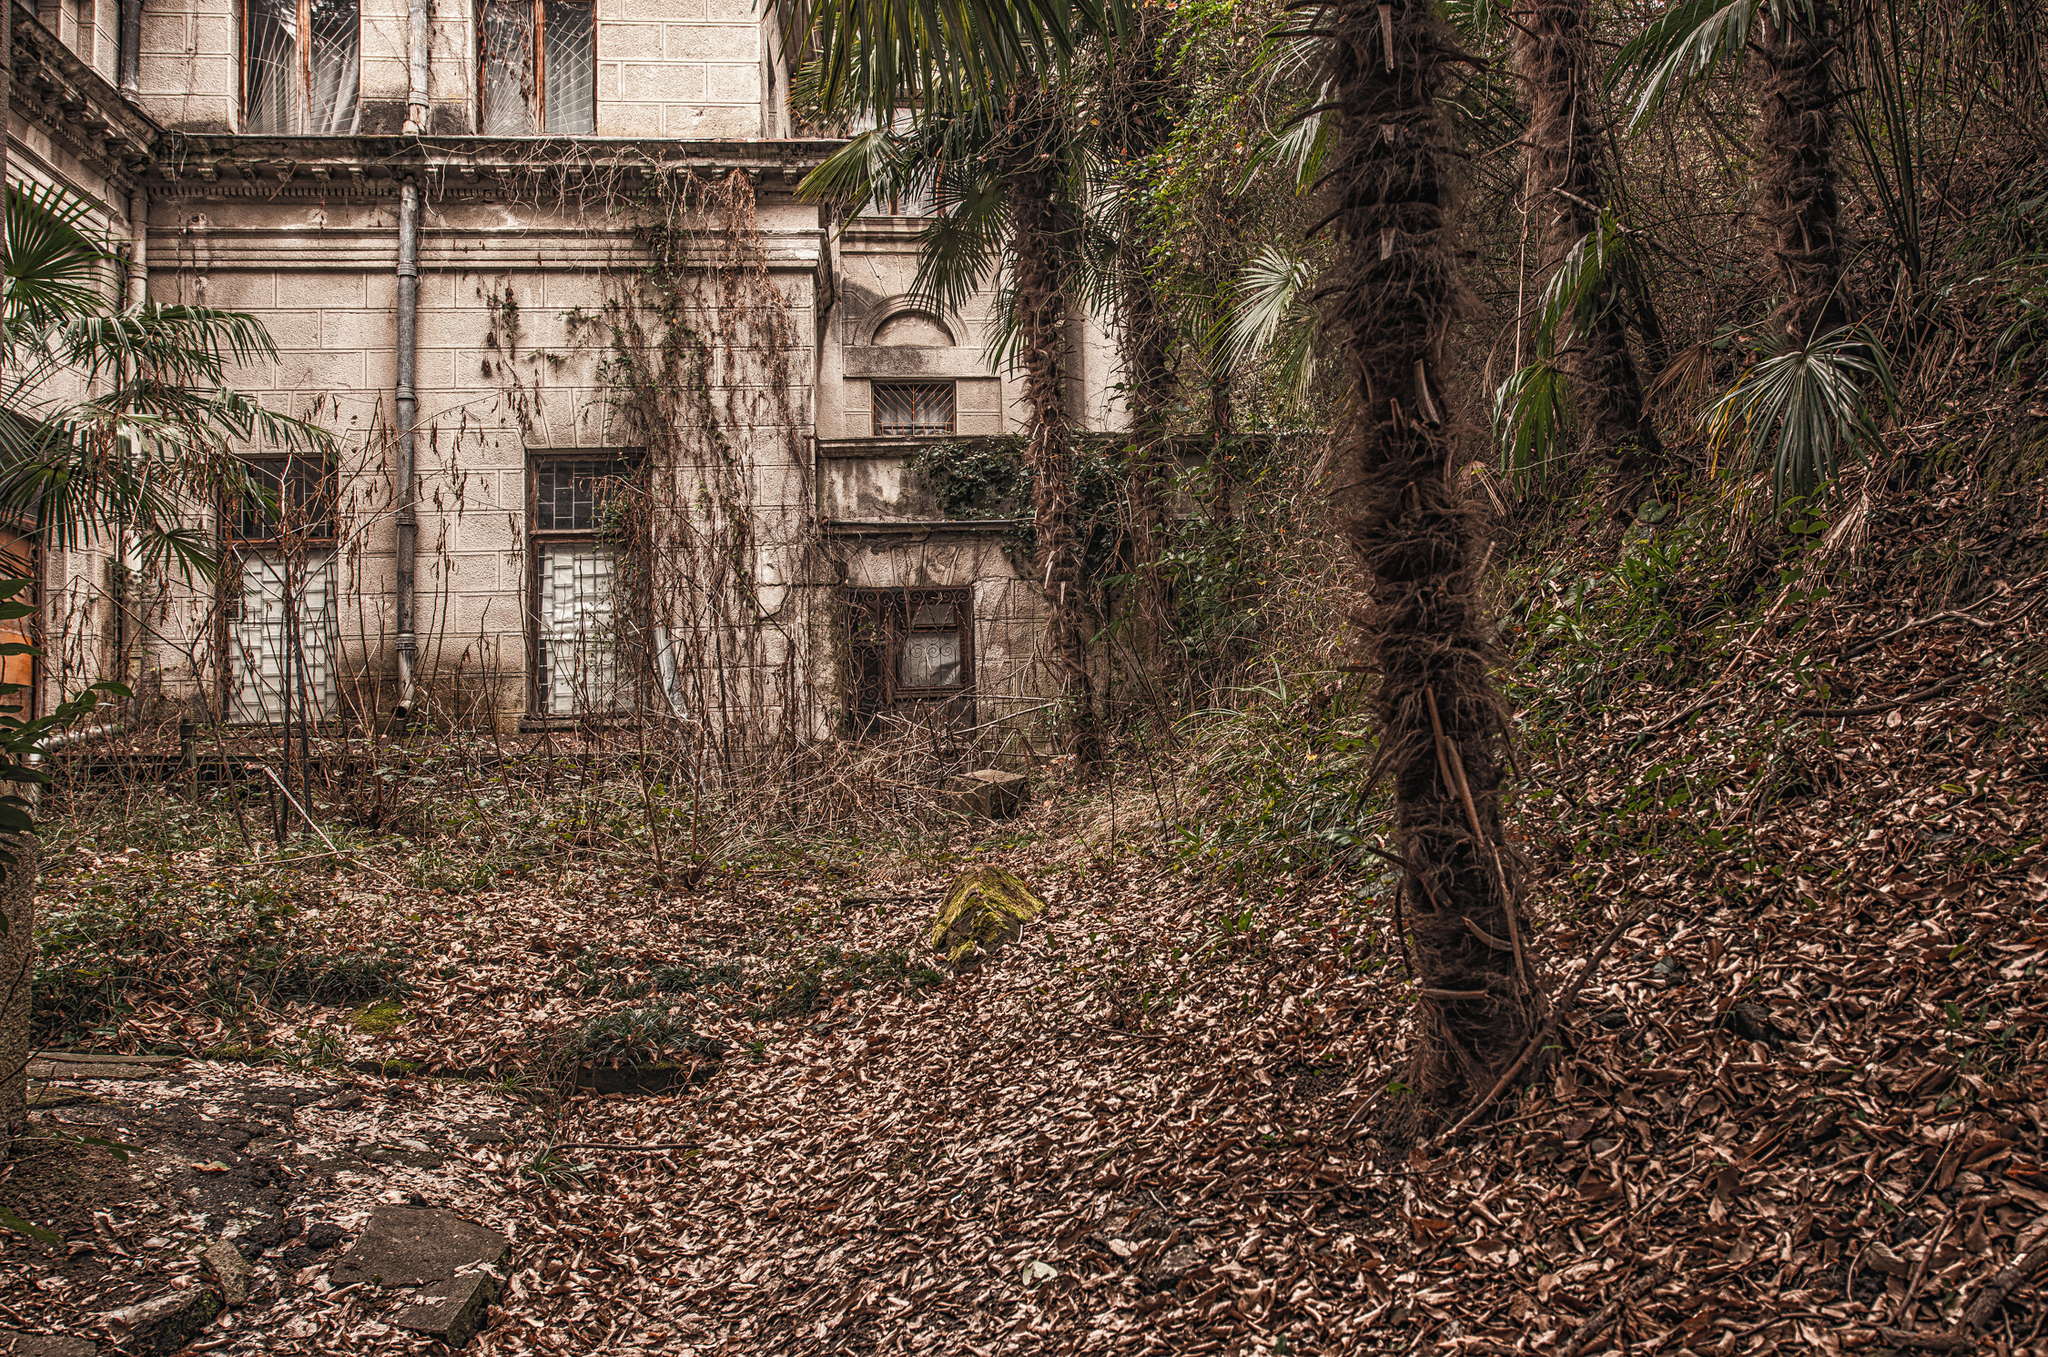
(913,409)
(539,61)
(301,67)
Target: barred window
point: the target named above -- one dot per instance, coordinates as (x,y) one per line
(575,621)
(910,648)
(913,409)
(539,61)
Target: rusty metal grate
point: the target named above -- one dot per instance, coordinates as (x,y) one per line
(910,651)
(913,409)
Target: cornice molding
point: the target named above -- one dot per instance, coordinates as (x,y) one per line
(54,90)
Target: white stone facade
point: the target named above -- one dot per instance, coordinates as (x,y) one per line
(770,490)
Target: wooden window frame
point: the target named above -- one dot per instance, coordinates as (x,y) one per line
(234,516)
(539,40)
(304,73)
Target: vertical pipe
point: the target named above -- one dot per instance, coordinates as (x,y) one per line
(131,46)
(407,410)
(416,65)
(138,248)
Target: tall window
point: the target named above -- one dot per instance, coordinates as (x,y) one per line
(301,63)
(913,409)
(575,620)
(539,68)
(282,622)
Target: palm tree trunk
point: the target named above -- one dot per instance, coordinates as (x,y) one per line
(1038,219)
(1554,63)
(17,971)
(1395,292)
(1797,194)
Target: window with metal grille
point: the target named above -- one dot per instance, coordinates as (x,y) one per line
(574,615)
(293,501)
(913,409)
(909,647)
(301,66)
(539,60)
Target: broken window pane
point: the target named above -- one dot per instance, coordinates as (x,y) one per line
(570,97)
(301,64)
(913,409)
(508,68)
(539,68)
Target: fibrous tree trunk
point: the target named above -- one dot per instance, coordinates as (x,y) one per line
(1553,54)
(17,970)
(1797,188)
(1148,96)
(1040,220)
(1395,292)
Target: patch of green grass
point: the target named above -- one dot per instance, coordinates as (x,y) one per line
(640,1034)
(800,987)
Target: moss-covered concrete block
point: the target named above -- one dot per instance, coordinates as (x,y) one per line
(985,908)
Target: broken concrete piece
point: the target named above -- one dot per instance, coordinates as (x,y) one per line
(163,1324)
(451,1311)
(985,908)
(14,1344)
(414,1246)
(230,1270)
(986,794)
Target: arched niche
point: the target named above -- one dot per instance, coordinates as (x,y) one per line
(897,323)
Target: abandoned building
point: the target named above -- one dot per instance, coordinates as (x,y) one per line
(624,424)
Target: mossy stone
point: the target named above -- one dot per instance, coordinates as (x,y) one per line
(377,1019)
(985,908)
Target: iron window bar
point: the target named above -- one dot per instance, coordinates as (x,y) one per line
(913,409)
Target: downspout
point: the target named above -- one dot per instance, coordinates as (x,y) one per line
(131,47)
(407,407)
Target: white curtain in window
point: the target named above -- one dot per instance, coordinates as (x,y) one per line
(333,103)
(579,669)
(280,97)
(571,68)
(262,655)
(270,77)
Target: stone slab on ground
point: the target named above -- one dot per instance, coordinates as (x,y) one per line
(230,1270)
(162,1325)
(986,794)
(14,1344)
(418,1246)
(451,1311)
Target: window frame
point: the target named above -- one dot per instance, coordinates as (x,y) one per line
(235,517)
(951,386)
(621,466)
(537,33)
(302,76)
(894,609)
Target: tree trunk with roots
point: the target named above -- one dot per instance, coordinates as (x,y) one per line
(1797,195)
(1039,220)
(1553,53)
(17,971)
(1395,293)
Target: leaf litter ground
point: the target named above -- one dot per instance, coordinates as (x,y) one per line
(1799,1107)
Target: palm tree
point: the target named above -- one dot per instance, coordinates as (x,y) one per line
(1009,179)
(1393,293)
(155,434)
(1393,296)
(1797,45)
(1553,57)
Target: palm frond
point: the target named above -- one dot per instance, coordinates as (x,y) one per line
(1682,46)
(1803,404)
(1532,414)
(1577,290)
(53,270)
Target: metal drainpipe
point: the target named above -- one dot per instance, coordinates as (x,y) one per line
(131,46)
(407,406)
(416,62)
